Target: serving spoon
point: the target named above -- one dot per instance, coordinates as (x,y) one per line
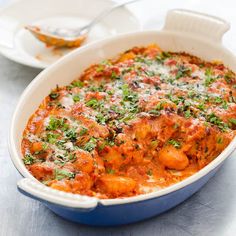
(64,37)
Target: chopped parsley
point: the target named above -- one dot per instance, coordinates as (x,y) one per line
(29,159)
(157,109)
(60,144)
(160,106)
(77,83)
(162,56)
(54,95)
(176,126)
(110,92)
(219,140)
(114,75)
(128,117)
(229,76)
(71,134)
(174,143)
(102,146)
(94,103)
(175,99)
(100,68)
(110,171)
(83,131)
(76,98)
(51,137)
(232,98)
(215,120)
(232,121)
(94,88)
(72,157)
(129,95)
(187,114)
(209,77)
(154,112)
(90,145)
(221,101)
(183,71)
(61,174)
(56,123)
(154,143)
(201,106)
(218,100)
(102,119)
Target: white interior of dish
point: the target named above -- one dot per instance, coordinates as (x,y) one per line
(71,66)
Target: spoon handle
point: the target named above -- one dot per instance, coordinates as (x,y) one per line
(105,13)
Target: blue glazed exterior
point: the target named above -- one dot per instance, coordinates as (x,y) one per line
(129,212)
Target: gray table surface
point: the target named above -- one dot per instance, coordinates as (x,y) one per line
(211,211)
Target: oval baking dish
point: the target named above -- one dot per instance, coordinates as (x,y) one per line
(184,31)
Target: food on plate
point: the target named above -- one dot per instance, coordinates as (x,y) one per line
(132,125)
(53,41)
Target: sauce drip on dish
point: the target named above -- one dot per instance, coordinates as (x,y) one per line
(132,125)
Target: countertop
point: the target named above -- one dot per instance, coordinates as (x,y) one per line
(211,211)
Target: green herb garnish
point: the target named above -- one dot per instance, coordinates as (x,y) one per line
(54,95)
(110,171)
(28,159)
(209,77)
(100,68)
(149,172)
(77,83)
(76,98)
(72,157)
(102,119)
(51,137)
(94,103)
(201,106)
(114,75)
(61,174)
(219,140)
(215,120)
(83,131)
(90,145)
(229,76)
(232,121)
(55,123)
(182,71)
(162,56)
(154,112)
(187,114)
(71,135)
(129,95)
(175,143)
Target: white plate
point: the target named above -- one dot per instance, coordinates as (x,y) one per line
(19,45)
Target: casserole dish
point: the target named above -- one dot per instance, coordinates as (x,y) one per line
(187,31)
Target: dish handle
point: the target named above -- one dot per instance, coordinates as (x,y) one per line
(38,191)
(196,24)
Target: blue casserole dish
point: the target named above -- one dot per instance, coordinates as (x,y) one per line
(191,32)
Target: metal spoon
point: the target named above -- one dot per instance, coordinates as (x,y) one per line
(64,37)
